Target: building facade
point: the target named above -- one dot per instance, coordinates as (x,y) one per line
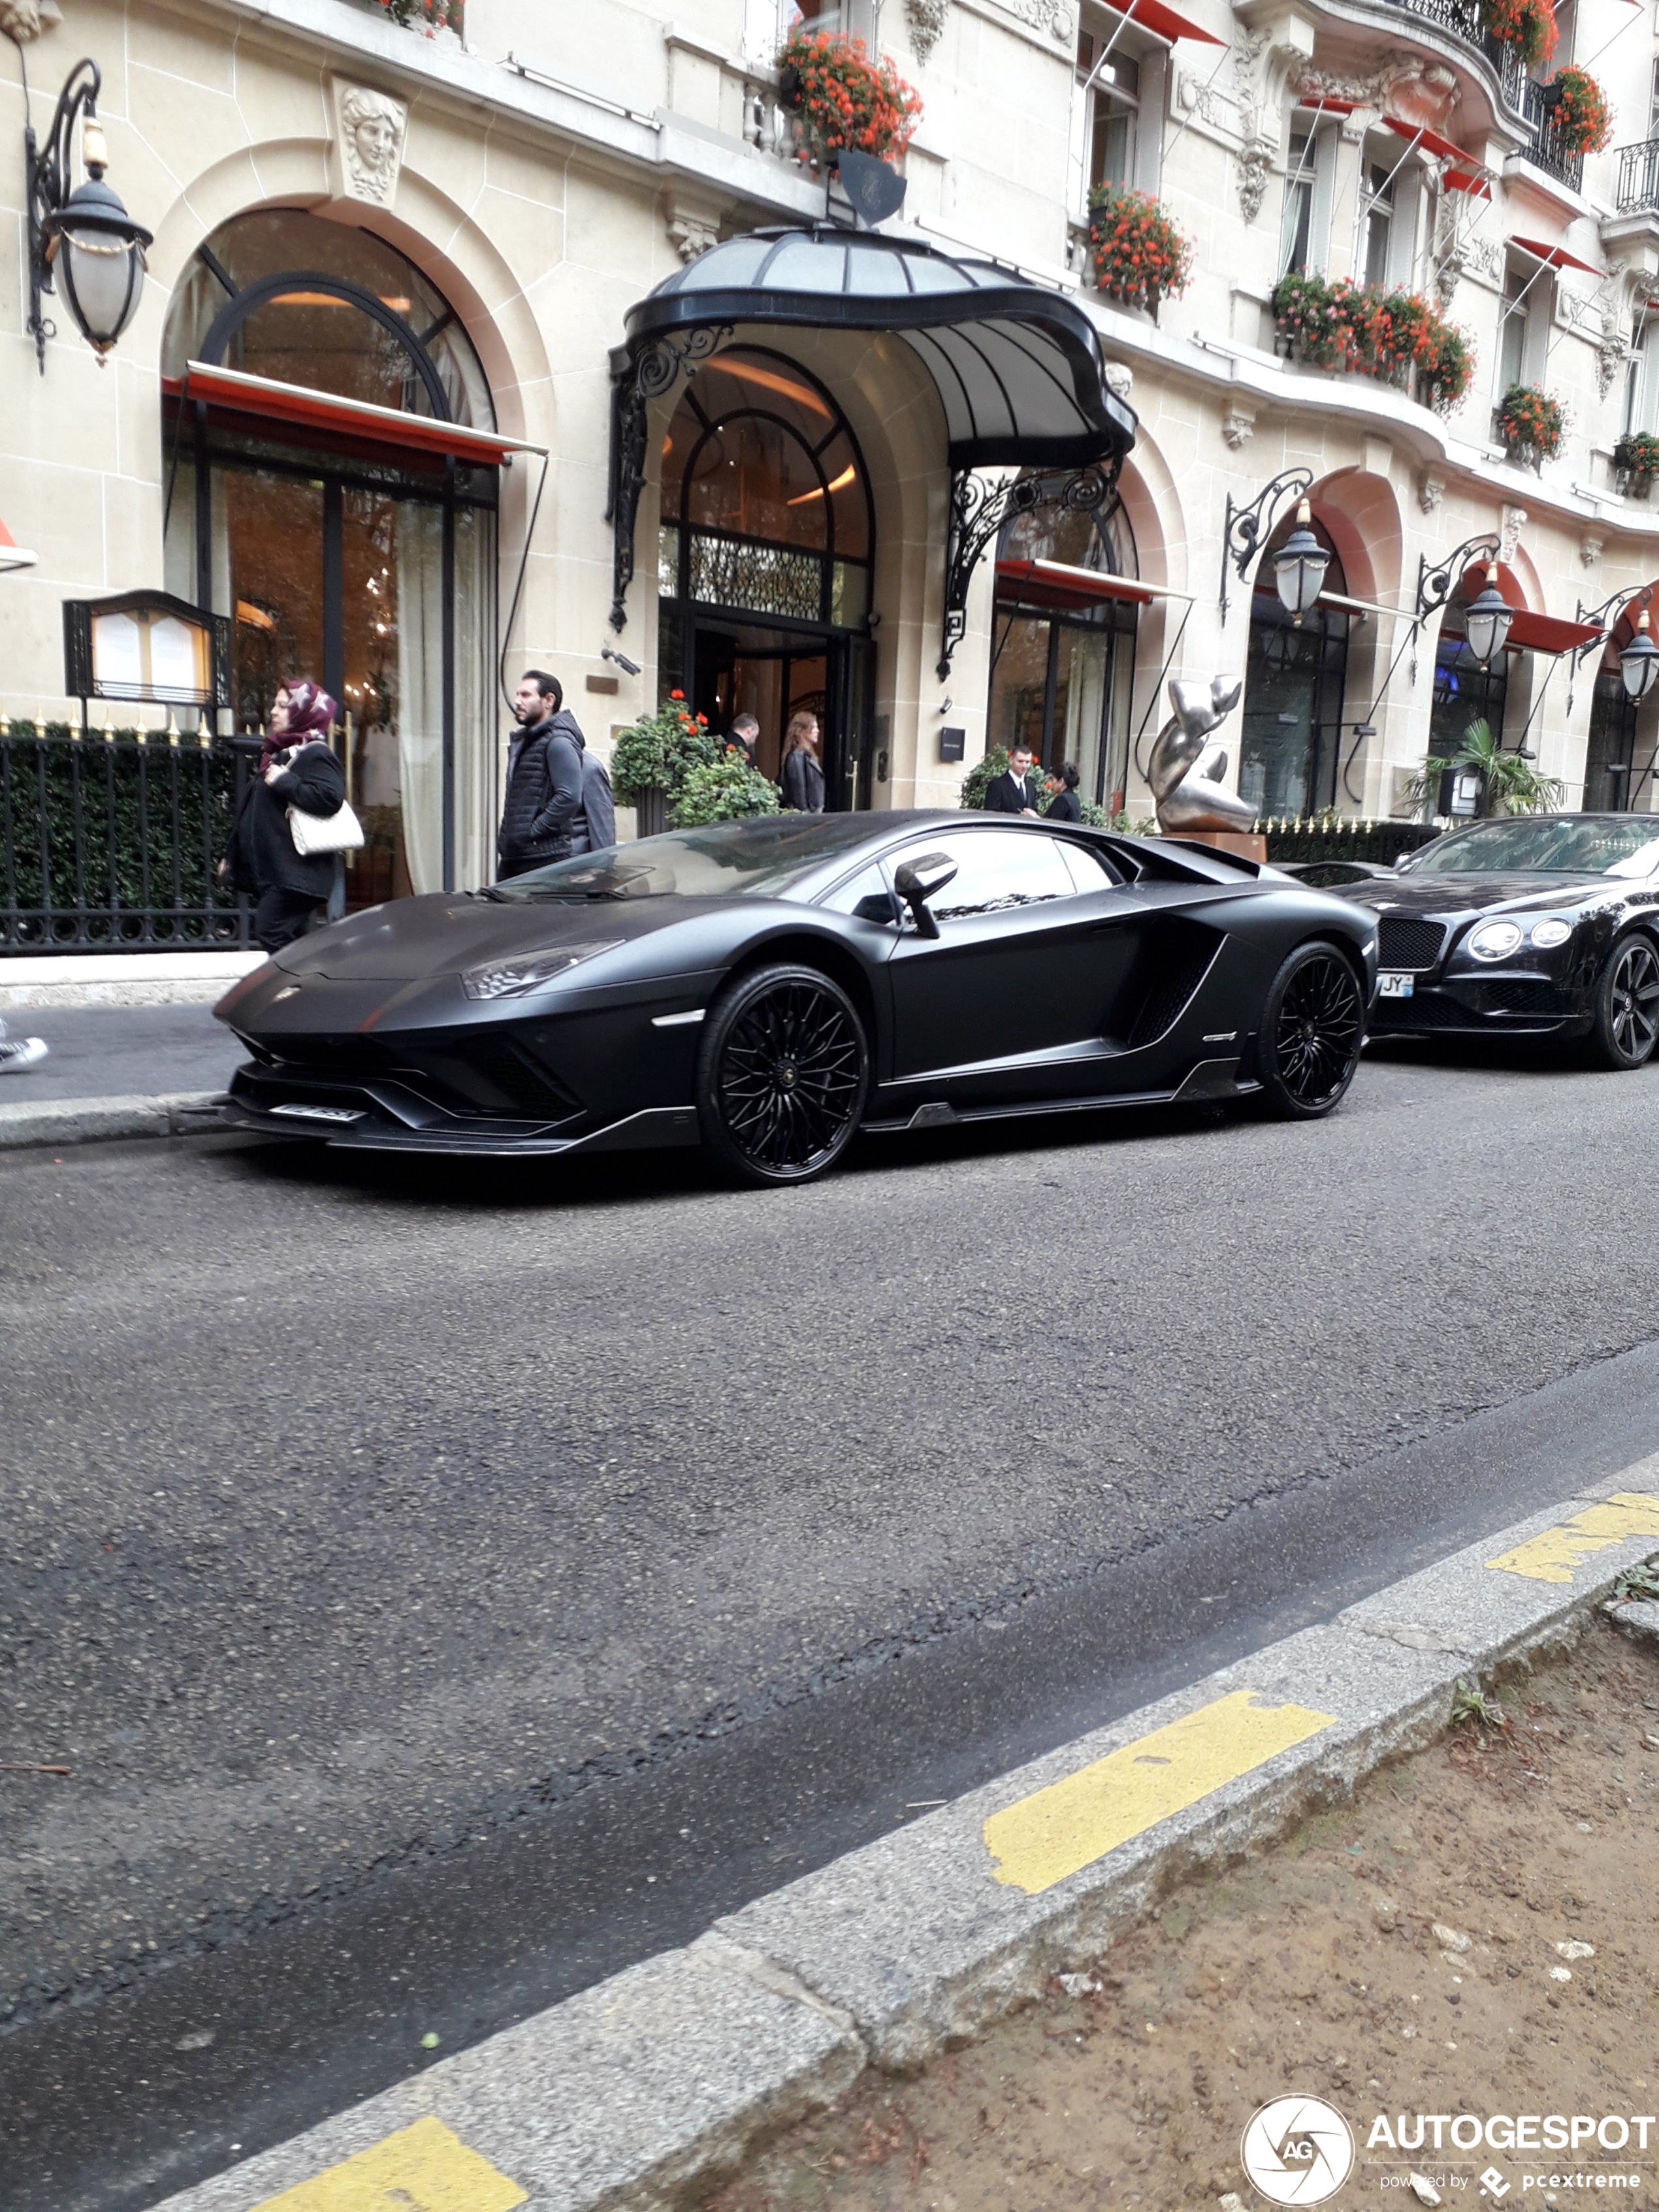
(439,231)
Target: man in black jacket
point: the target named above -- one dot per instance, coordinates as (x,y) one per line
(1015,791)
(544,779)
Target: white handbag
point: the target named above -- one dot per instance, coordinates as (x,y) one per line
(339,832)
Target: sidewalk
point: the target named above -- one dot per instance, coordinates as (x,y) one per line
(109,1052)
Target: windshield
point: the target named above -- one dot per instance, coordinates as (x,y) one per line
(1581,845)
(766,858)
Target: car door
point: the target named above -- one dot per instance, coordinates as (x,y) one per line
(1016,995)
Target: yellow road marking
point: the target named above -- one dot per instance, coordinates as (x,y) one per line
(1060,1830)
(424,2168)
(1555,1556)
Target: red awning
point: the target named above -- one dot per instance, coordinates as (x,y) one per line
(1464,173)
(1057,583)
(1163,22)
(265,397)
(1556,257)
(12,554)
(1529,632)
(1327,103)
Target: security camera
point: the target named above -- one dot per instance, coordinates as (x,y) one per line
(628,667)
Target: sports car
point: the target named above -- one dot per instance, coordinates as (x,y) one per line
(768,987)
(1538,925)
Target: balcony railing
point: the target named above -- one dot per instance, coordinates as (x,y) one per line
(1638,177)
(1546,152)
(1462,19)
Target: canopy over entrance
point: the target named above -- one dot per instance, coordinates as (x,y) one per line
(1018,368)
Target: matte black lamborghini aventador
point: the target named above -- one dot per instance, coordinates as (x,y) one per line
(768,987)
(1539,926)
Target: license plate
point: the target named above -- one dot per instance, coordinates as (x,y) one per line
(1391,985)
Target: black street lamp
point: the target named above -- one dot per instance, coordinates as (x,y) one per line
(1299,569)
(1246,526)
(1488,617)
(1638,664)
(1486,624)
(81,241)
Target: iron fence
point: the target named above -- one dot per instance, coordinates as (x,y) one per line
(1462,19)
(110,842)
(1313,839)
(1543,112)
(1638,177)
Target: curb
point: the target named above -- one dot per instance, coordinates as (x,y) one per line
(82,1120)
(659,2079)
(120,979)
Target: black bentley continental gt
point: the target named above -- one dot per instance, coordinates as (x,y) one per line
(1537,926)
(768,987)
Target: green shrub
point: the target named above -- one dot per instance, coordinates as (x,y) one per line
(724,790)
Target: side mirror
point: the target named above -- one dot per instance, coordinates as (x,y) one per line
(1400,860)
(917,881)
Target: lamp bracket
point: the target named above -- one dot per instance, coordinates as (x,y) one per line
(980,506)
(48,172)
(636,381)
(1248,524)
(1607,614)
(1438,581)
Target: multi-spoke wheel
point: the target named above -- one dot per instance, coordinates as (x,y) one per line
(1312,1027)
(1627,1004)
(782,1076)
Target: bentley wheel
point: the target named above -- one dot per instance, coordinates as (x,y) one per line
(1627,1004)
(782,1076)
(1312,1027)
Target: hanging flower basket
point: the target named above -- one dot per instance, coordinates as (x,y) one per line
(1636,462)
(1532,423)
(1365,330)
(842,100)
(1583,121)
(1139,255)
(1527,28)
(430,16)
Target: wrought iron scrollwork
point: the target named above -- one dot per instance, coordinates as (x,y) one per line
(981,506)
(1248,526)
(636,380)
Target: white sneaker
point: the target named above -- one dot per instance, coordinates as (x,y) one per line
(24,1052)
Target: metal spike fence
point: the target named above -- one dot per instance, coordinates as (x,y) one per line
(1340,837)
(110,842)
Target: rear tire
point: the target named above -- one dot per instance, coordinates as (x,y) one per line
(783,1074)
(1627,1004)
(1313,1024)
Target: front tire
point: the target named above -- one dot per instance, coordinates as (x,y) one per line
(1627,1004)
(782,1074)
(1312,1027)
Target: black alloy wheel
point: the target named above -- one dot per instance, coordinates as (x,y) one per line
(1627,1004)
(782,1076)
(1312,1027)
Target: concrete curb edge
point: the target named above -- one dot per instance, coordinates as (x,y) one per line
(657,2080)
(36,1121)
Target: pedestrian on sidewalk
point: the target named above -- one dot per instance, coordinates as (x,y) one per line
(798,773)
(19,1053)
(544,779)
(296,767)
(595,827)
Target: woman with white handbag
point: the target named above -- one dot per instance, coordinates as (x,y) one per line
(294,820)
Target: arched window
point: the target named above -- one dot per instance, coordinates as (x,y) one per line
(1464,692)
(1062,645)
(764,548)
(341,550)
(1291,738)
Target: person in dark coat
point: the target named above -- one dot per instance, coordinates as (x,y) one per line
(1015,791)
(296,767)
(1064,805)
(595,827)
(801,776)
(745,736)
(544,779)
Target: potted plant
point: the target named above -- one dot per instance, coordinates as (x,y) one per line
(1583,121)
(728,789)
(1636,462)
(652,761)
(1532,423)
(1375,332)
(429,15)
(1527,28)
(1312,321)
(842,100)
(1445,367)
(1139,257)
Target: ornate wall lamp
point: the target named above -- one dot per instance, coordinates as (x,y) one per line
(82,242)
(1489,614)
(1300,567)
(1638,664)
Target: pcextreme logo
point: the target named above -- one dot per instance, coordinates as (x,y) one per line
(1297,2150)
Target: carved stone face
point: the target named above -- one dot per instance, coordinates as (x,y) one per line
(21,19)
(376,138)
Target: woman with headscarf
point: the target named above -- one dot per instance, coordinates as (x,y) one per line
(800,774)
(296,767)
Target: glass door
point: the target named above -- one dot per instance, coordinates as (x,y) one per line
(774,674)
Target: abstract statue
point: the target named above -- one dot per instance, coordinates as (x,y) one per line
(1187,769)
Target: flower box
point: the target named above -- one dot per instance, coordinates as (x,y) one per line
(1138,256)
(1582,120)
(1527,28)
(1364,329)
(1532,423)
(842,100)
(1636,463)
(429,16)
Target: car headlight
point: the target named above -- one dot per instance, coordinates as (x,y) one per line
(1494,940)
(1551,931)
(514,979)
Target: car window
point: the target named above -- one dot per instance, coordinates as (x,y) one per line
(1582,844)
(996,869)
(1090,871)
(867,895)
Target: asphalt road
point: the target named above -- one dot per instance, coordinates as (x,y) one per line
(447,1586)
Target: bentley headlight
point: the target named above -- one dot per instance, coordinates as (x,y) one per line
(1550,932)
(515,979)
(1495,940)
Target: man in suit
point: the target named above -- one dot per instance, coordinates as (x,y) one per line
(745,736)
(1014,791)
(544,779)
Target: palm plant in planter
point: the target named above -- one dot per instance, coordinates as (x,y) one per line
(1510,783)
(1636,462)
(842,100)
(1139,257)
(1532,423)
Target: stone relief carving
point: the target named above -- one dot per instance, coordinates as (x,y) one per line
(1198,95)
(1511,521)
(1591,551)
(693,226)
(21,19)
(369,131)
(1431,86)
(1054,16)
(1430,491)
(927,19)
(1120,379)
(1237,425)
